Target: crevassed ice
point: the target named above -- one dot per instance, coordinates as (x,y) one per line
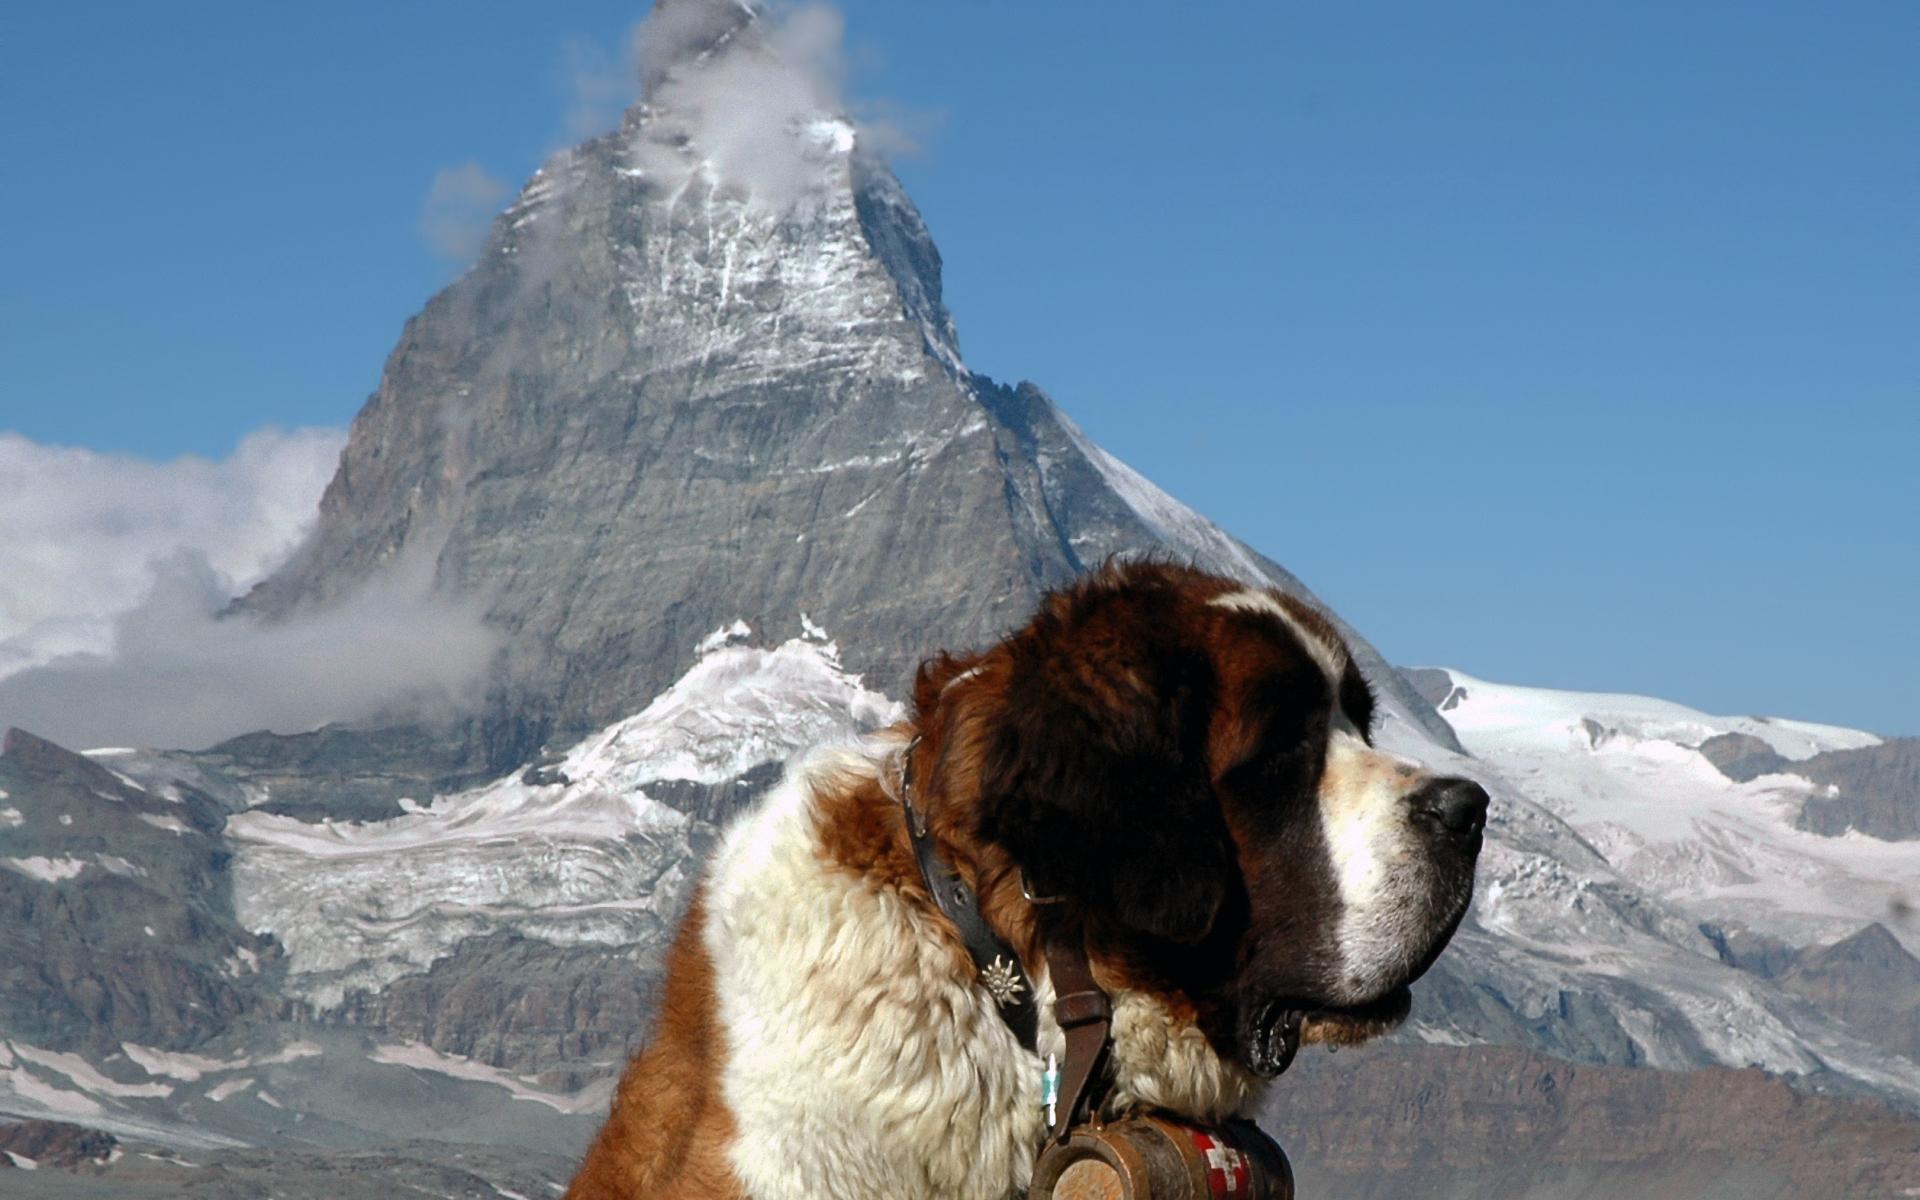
(587,859)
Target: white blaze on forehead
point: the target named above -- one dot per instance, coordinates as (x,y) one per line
(1331,656)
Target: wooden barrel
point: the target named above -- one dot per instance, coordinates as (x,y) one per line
(1158,1158)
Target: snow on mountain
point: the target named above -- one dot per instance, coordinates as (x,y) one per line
(1585,936)
(199,1101)
(1613,848)
(47,870)
(596,846)
(721,303)
(50,1085)
(425,1058)
(737,708)
(1209,545)
(573,852)
(1627,772)
(674,395)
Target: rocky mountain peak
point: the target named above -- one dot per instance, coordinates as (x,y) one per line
(702,372)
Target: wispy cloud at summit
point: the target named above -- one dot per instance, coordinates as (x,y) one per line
(459,207)
(752,93)
(758,91)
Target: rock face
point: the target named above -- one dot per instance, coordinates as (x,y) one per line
(1874,789)
(558,1014)
(1441,1123)
(1637,906)
(1742,757)
(660,403)
(76,1162)
(52,1144)
(1869,981)
(116,912)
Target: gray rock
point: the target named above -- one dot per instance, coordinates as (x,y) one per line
(1764,956)
(650,409)
(1429,683)
(126,931)
(563,1015)
(413,1168)
(1869,981)
(59,1144)
(1742,757)
(1874,789)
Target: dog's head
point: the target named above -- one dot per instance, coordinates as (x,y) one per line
(1187,764)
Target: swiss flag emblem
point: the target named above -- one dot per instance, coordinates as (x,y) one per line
(1228,1177)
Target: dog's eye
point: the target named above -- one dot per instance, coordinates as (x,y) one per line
(1290,747)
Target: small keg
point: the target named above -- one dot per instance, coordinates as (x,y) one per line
(1158,1158)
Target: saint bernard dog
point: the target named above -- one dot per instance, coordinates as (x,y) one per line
(1177,767)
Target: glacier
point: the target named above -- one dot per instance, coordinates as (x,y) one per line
(573,852)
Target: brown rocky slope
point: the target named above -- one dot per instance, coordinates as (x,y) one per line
(1408,1122)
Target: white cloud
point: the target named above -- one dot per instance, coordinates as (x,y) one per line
(761,101)
(114,572)
(679,31)
(116,577)
(602,84)
(459,208)
(80,530)
(753,105)
(180,674)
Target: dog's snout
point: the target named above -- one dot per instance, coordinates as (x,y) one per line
(1458,805)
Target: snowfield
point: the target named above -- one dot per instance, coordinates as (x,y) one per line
(575,853)
(590,1099)
(1626,772)
(1612,840)
(44,868)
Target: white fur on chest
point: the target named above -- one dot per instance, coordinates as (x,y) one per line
(859,1061)
(1159,1062)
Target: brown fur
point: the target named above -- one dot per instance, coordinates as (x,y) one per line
(668,1134)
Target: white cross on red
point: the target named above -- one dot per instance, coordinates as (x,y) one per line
(1227,1174)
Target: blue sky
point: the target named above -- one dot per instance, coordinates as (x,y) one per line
(1575,345)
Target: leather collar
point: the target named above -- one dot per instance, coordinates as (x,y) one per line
(1081,1008)
(1000,970)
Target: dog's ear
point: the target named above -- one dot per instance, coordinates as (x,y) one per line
(931,681)
(1095,776)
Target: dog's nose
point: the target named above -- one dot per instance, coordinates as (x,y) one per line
(1459,805)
